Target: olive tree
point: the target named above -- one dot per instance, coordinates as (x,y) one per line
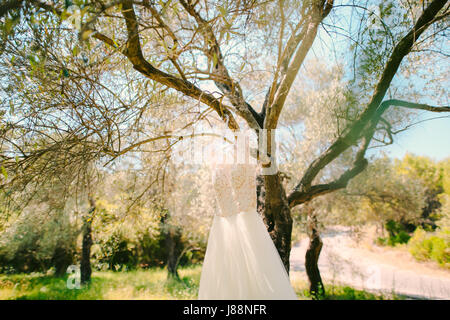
(210,56)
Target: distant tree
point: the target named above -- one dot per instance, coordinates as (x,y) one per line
(41,234)
(430,174)
(85,264)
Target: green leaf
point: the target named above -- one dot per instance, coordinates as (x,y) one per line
(11,107)
(75,51)
(32,59)
(8,25)
(223,11)
(214,59)
(5,174)
(86,34)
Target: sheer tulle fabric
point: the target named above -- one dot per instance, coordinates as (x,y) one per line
(242,262)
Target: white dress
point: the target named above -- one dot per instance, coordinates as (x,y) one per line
(241,261)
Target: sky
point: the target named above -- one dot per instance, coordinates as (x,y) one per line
(429,138)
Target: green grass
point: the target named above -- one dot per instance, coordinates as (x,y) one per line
(340,292)
(108,285)
(137,284)
(348,293)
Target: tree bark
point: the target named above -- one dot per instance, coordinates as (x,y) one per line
(316,287)
(85,268)
(173,245)
(172,240)
(276,214)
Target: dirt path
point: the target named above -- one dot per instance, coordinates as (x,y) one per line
(374,268)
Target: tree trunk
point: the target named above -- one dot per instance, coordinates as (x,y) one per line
(173,241)
(316,287)
(85,268)
(173,244)
(274,208)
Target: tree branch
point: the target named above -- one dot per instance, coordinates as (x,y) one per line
(225,83)
(299,196)
(10,5)
(375,108)
(306,38)
(134,53)
(417,106)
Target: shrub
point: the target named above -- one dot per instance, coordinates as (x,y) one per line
(417,245)
(381,241)
(119,251)
(38,240)
(397,234)
(438,250)
(401,237)
(434,246)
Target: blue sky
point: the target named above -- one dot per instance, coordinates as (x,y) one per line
(430,138)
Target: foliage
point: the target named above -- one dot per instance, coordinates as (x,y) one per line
(37,240)
(91,84)
(424,246)
(436,245)
(348,293)
(431,175)
(79,90)
(130,222)
(397,196)
(127,228)
(397,234)
(377,196)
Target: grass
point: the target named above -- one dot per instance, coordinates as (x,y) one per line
(139,285)
(348,293)
(339,292)
(105,285)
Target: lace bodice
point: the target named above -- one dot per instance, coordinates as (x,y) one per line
(235,188)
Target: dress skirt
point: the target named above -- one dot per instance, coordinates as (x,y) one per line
(242,263)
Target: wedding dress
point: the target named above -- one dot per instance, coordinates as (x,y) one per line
(241,261)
